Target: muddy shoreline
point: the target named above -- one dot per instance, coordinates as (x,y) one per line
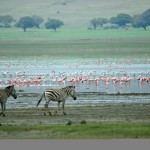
(93,108)
(112,109)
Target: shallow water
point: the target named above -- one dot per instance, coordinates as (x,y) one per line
(51,72)
(30,100)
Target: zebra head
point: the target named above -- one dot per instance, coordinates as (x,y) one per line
(73,94)
(11,91)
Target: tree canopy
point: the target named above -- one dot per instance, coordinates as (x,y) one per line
(37,21)
(25,22)
(121,19)
(142,20)
(98,22)
(6,20)
(53,24)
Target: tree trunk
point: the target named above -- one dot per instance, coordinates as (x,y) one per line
(144,28)
(24,29)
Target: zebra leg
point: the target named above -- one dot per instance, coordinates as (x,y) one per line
(63,107)
(57,108)
(46,109)
(3,108)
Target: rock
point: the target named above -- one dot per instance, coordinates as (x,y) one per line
(69,122)
(83,122)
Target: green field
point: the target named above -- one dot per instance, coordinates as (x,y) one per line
(75,44)
(88,131)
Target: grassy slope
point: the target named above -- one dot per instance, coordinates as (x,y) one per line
(74,12)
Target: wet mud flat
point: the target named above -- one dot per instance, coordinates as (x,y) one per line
(130,109)
(93,108)
(92,114)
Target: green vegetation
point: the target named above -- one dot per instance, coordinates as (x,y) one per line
(75,44)
(53,24)
(73,40)
(25,22)
(88,131)
(142,20)
(71,34)
(73,14)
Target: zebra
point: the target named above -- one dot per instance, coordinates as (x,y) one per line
(4,94)
(59,95)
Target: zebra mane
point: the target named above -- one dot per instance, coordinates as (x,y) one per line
(68,89)
(70,86)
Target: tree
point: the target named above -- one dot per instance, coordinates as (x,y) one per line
(53,24)
(37,21)
(137,22)
(121,19)
(6,20)
(142,20)
(25,22)
(98,22)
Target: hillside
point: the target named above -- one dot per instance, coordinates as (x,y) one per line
(72,12)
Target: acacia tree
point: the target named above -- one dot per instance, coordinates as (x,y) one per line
(53,24)
(121,19)
(37,21)
(6,20)
(138,22)
(98,22)
(25,22)
(142,20)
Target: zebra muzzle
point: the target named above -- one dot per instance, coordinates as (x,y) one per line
(15,97)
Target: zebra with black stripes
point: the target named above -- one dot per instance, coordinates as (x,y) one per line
(4,94)
(58,95)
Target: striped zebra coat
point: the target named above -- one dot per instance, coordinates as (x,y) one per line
(4,94)
(58,95)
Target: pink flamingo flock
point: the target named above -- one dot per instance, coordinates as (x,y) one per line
(22,78)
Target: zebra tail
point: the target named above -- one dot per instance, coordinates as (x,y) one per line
(40,100)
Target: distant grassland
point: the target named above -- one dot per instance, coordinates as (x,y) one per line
(75,44)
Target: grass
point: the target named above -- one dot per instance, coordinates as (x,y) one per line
(75,44)
(88,131)
(76,33)
(74,12)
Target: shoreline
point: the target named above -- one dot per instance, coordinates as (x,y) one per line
(92,93)
(25,122)
(110,113)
